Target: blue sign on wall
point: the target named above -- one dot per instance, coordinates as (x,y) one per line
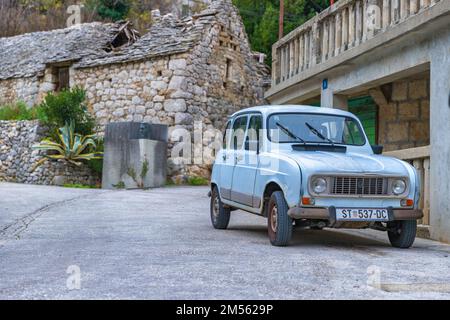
(325,84)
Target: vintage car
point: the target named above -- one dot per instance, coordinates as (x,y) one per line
(311,167)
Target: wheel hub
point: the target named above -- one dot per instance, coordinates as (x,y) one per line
(273,218)
(216,207)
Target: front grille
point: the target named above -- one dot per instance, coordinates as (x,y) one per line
(359,186)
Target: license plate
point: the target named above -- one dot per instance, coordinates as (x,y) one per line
(354,214)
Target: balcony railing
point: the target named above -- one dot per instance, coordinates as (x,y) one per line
(345,25)
(420,159)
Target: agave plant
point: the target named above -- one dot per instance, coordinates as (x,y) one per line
(71,147)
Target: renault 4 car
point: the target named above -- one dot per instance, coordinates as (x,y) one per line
(315,168)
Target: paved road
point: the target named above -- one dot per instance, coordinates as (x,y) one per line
(159,244)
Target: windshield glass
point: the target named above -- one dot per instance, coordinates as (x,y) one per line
(314,128)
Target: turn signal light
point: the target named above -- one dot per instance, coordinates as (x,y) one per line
(307,201)
(407,203)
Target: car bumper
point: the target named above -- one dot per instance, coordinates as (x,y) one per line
(330,214)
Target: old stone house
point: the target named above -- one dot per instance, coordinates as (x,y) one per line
(200,68)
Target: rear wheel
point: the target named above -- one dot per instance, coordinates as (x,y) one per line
(220,216)
(279,223)
(402,233)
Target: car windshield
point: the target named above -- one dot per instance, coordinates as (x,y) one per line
(314,128)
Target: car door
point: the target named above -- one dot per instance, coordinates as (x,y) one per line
(227,157)
(246,164)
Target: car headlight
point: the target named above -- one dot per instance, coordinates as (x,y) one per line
(398,187)
(319,185)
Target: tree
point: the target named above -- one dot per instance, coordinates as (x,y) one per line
(110,9)
(260,19)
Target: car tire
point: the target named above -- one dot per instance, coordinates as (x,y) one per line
(220,216)
(402,233)
(279,223)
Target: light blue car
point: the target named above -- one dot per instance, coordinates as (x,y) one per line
(312,167)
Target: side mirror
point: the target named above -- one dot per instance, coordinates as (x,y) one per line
(377,149)
(252,145)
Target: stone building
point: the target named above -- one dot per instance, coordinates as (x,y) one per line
(200,68)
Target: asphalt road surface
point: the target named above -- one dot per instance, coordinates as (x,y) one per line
(59,243)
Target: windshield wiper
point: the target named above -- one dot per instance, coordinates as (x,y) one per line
(289,133)
(317,133)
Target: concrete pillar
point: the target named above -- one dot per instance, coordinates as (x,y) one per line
(358,19)
(325,41)
(291,59)
(307,51)
(403,9)
(328,99)
(302,52)
(338,34)
(351,25)
(440,143)
(413,7)
(331,35)
(386,13)
(315,44)
(345,16)
(296,41)
(311,48)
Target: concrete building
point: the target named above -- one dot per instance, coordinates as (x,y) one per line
(389,62)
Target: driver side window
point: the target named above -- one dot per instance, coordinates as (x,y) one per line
(237,138)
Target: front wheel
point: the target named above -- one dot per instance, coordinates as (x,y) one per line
(402,233)
(279,223)
(220,216)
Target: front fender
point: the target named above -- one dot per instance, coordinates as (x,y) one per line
(283,171)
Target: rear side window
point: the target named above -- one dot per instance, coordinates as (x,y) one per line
(238,134)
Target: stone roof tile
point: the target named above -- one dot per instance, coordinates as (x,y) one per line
(26,55)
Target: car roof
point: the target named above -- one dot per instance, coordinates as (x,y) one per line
(271,109)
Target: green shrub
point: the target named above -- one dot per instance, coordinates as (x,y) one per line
(69,146)
(67,106)
(18,111)
(197,181)
(97,164)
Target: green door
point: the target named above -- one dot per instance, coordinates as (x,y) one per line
(366,110)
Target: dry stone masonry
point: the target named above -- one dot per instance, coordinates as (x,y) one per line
(181,72)
(17,158)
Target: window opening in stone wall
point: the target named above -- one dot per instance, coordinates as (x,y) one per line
(62,78)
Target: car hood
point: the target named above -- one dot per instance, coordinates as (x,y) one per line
(334,162)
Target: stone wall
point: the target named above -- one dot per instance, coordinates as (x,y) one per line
(404,120)
(17,158)
(20,89)
(218,77)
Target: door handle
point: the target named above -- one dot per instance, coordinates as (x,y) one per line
(239,158)
(224,157)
